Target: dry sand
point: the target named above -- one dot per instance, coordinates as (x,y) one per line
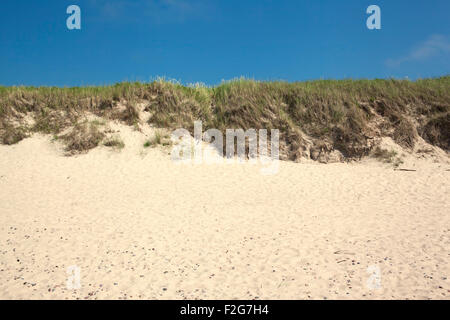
(139,226)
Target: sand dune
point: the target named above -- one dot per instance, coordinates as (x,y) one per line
(139,226)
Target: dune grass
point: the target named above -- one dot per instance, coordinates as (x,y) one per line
(83,137)
(387,156)
(115,143)
(160,138)
(334,114)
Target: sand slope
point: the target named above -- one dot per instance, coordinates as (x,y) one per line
(140,226)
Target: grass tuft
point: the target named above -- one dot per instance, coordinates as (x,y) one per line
(83,137)
(158,139)
(12,134)
(115,143)
(387,156)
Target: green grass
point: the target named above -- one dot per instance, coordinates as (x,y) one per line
(159,138)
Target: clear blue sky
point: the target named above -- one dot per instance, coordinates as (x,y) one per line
(211,40)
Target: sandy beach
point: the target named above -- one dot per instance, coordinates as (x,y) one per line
(213,154)
(139,226)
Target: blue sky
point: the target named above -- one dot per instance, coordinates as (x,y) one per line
(210,40)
